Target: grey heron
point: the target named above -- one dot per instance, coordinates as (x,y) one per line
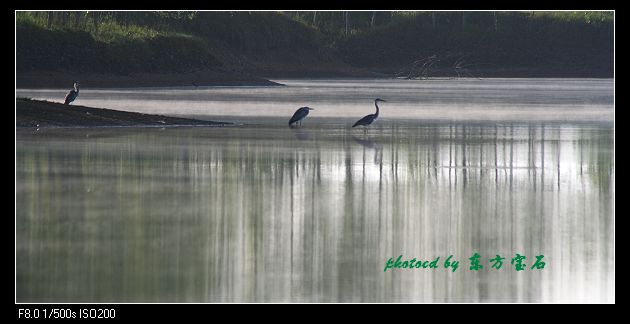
(369,119)
(299,115)
(72,94)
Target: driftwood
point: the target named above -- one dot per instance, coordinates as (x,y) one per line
(451,64)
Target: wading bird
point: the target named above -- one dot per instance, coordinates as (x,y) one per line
(369,119)
(72,94)
(299,115)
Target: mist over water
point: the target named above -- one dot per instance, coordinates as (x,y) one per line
(516,100)
(266,213)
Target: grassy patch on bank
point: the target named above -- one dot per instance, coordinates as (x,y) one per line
(108,48)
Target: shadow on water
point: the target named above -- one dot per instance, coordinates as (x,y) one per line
(250,214)
(300,133)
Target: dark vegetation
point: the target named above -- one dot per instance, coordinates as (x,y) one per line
(134,42)
(311,44)
(508,43)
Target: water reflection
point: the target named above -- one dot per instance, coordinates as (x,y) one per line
(250,214)
(300,133)
(370,145)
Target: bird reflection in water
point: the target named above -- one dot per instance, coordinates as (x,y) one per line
(300,134)
(365,142)
(369,144)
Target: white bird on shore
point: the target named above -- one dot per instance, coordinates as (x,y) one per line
(72,94)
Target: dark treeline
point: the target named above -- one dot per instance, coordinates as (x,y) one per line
(123,42)
(574,42)
(389,42)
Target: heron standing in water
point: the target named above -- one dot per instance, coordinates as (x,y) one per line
(72,94)
(369,119)
(299,115)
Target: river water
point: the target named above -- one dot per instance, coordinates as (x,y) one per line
(260,212)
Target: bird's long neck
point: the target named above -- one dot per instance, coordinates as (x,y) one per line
(76,88)
(376,104)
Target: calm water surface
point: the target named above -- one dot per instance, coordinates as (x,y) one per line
(263,213)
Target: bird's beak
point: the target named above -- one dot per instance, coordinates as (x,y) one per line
(309,108)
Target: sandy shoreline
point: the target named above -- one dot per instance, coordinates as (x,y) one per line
(36,113)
